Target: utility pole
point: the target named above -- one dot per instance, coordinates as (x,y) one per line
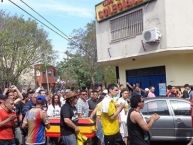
(48,88)
(46,66)
(45,63)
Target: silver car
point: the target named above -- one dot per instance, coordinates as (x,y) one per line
(175,118)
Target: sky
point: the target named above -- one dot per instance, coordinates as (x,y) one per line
(66,15)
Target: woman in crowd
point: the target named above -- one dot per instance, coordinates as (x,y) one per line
(138,127)
(54,112)
(54,107)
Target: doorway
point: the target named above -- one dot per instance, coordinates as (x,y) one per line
(147,77)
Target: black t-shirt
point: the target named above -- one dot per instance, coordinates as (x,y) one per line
(137,135)
(18,110)
(92,103)
(185,94)
(67,111)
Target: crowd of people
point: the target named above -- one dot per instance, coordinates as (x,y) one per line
(171,91)
(115,110)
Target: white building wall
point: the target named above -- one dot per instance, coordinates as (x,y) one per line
(174,18)
(178,69)
(27,79)
(179,23)
(154,16)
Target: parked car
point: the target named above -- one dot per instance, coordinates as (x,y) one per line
(175,118)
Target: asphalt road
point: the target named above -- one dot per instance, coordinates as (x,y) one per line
(169,143)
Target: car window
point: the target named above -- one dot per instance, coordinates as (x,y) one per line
(158,106)
(180,107)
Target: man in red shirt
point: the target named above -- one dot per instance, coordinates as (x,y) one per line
(7,117)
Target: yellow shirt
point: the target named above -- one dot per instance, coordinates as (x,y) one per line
(110,127)
(99,109)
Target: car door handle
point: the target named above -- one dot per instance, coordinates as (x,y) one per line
(178,120)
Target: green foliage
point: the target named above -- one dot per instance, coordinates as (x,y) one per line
(22,44)
(81,62)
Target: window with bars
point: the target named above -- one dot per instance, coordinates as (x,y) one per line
(127,26)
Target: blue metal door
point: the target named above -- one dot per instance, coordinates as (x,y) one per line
(147,77)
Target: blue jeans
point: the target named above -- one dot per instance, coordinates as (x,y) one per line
(69,139)
(7,142)
(99,133)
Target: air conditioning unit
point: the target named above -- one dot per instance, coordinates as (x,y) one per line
(151,35)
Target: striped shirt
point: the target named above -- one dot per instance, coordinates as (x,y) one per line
(82,107)
(36,126)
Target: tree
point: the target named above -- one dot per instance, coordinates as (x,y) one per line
(81,62)
(22,44)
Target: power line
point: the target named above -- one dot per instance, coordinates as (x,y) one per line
(70,40)
(45,19)
(65,36)
(39,20)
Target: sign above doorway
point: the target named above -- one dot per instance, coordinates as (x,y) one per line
(109,8)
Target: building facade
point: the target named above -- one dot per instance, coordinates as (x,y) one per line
(150,41)
(45,76)
(27,80)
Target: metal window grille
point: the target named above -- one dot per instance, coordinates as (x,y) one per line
(127,26)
